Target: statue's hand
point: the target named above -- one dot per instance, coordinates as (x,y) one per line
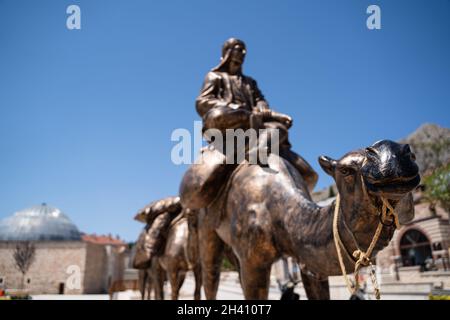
(234,106)
(288,122)
(282,118)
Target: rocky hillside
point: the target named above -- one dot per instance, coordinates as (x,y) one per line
(431,145)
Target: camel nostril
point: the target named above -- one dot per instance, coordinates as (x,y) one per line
(406,149)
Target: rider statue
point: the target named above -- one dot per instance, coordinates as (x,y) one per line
(228,100)
(231,100)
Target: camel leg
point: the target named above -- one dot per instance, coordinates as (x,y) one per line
(315,289)
(157,279)
(176,278)
(198,281)
(142,279)
(181,278)
(159,288)
(255,281)
(211,255)
(149,286)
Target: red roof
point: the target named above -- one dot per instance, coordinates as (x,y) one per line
(102,239)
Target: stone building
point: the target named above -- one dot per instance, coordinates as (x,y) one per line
(65,260)
(420,246)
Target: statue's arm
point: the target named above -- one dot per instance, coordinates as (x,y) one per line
(260,101)
(209,95)
(263,106)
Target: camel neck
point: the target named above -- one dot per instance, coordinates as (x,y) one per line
(357,229)
(308,224)
(315,236)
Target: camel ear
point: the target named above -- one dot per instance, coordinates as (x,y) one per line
(328,165)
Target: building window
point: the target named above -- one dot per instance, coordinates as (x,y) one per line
(415,249)
(28,280)
(437,246)
(1,281)
(61,288)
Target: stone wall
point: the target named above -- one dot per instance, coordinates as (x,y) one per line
(104,265)
(95,272)
(75,267)
(49,269)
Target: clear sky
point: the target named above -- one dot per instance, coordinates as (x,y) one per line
(86,115)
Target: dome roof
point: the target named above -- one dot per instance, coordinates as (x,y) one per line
(38,223)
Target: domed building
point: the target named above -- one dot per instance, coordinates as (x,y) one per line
(39,223)
(60,259)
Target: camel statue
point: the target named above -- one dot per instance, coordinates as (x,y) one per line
(180,256)
(177,251)
(264,214)
(152,279)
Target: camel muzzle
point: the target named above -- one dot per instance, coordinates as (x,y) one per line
(390,169)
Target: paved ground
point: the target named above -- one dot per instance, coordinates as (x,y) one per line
(229,289)
(74,296)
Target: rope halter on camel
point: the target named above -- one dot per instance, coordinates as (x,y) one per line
(359,257)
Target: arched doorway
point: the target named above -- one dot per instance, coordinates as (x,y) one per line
(415,248)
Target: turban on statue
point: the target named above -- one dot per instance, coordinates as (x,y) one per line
(226,53)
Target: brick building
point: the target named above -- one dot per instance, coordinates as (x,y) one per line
(65,260)
(423,244)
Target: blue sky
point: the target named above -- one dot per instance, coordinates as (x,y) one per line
(86,115)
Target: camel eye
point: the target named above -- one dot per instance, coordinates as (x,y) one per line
(371,151)
(346,171)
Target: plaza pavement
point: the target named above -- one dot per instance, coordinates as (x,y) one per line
(229,289)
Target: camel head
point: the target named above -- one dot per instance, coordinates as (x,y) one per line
(386,169)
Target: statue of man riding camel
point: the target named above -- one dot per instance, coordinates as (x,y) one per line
(263,210)
(230,100)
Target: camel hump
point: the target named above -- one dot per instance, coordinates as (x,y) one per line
(289,169)
(202,181)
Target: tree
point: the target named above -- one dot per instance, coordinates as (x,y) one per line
(24,255)
(331,193)
(437,187)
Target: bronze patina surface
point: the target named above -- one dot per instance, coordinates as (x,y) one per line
(231,100)
(181,255)
(168,245)
(262,214)
(152,280)
(265,215)
(157,216)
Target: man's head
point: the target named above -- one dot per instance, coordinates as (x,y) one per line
(233,51)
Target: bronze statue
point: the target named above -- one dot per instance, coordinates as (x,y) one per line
(231,100)
(264,215)
(152,280)
(171,247)
(157,216)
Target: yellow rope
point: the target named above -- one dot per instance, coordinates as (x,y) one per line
(338,243)
(363,259)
